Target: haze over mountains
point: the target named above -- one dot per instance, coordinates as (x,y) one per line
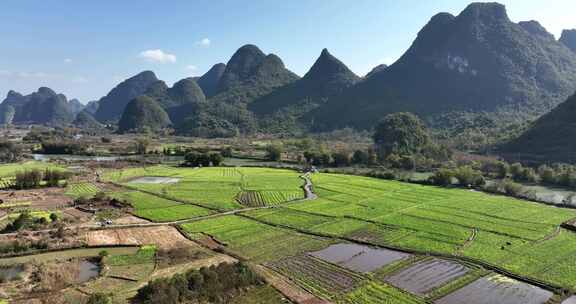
(476,62)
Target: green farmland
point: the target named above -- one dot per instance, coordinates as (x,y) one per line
(216,188)
(268,222)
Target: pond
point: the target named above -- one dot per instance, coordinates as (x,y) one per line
(87,270)
(357,257)
(154,180)
(12,272)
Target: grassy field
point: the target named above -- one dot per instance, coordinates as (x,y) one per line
(379,293)
(10,170)
(158,209)
(518,235)
(77,190)
(255,241)
(217,188)
(68,254)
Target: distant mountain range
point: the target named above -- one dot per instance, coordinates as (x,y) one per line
(476,62)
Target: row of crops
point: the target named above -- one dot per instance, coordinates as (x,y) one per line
(268,198)
(86,190)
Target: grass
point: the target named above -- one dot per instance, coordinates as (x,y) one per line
(10,170)
(255,241)
(145,254)
(158,209)
(264,294)
(86,190)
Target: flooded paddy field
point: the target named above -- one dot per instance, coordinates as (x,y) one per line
(497,289)
(424,276)
(359,258)
(154,180)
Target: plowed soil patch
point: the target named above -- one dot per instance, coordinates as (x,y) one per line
(165,237)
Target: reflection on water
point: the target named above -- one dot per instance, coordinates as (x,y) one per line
(359,258)
(87,270)
(9,273)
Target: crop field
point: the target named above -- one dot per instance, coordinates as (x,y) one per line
(268,198)
(86,190)
(359,258)
(323,279)
(158,209)
(10,170)
(518,235)
(217,188)
(6,182)
(255,241)
(379,293)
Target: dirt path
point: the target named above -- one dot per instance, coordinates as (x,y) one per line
(552,235)
(468,242)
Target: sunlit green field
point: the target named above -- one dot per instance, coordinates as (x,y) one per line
(10,170)
(215,188)
(517,235)
(512,234)
(253,240)
(158,209)
(77,190)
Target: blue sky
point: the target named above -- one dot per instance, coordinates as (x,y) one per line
(84,48)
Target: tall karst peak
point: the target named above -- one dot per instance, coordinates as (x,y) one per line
(112,105)
(209,81)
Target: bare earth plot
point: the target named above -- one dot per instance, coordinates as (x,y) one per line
(165,237)
(427,275)
(497,289)
(359,258)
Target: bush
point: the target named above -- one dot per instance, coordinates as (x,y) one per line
(341,159)
(274,152)
(99,298)
(442,177)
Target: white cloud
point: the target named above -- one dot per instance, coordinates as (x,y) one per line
(204,42)
(5,73)
(192,69)
(158,56)
(67,60)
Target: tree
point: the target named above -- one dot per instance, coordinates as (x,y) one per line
(360,157)
(274,152)
(9,152)
(467,176)
(141,145)
(401,133)
(442,177)
(341,159)
(216,159)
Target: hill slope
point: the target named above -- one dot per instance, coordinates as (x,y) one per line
(210,80)
(111,106)
(569,39)
(476,61)
(326,78)
(143,113)
(550,138)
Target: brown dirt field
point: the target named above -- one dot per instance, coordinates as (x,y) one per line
(130,219)
(47,198)
(288,289)
(209,243)
(165,237)
(207,262)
